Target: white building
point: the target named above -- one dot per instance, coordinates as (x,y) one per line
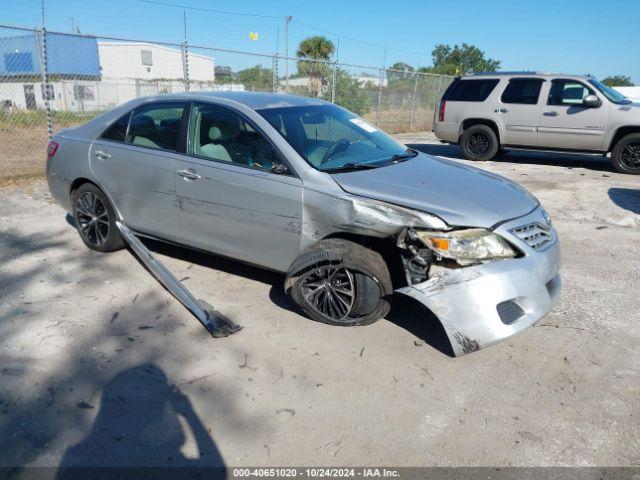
(148,61)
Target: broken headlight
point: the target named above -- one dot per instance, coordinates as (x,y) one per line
(467,246)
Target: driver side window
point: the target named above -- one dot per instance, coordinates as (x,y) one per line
(219,134)
(567,92)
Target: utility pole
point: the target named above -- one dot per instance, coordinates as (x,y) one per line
(287,21)
(184,22)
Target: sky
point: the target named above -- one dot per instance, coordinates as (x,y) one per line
(568,36)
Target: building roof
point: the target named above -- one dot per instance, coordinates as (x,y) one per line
(67,55)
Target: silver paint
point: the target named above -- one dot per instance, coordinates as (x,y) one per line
(267,219)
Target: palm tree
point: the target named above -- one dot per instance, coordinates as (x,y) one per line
(310,49)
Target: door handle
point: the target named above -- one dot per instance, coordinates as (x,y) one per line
(552,113)
(189,174)
(102,154)
(501,110)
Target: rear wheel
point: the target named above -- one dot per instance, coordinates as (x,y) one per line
(340,283)
(479,142)
(95,219)
(625,156)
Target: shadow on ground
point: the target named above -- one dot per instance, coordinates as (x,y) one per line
(553,159)
(627,198)
(415,318)
(406,312)
(138,430)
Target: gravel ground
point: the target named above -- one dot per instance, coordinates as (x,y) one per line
(99,365)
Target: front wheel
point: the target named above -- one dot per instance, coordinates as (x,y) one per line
(340,282)
(479,142)
(625,156)
(95,219)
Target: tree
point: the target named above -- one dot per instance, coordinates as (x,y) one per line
(350,93)
(460,59)
(309,50)
(400,71)
(256,78)
(618,81)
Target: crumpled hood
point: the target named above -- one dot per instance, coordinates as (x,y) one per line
(459,194)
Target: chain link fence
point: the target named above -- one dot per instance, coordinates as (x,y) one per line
(53,80)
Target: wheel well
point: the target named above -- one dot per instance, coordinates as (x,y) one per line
(469,122)
(621,132)
(77,183)
(387,249)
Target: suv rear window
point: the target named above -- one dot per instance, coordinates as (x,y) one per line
(472,90)
(522,90)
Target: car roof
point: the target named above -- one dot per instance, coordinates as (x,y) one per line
(525,73)
(253,100)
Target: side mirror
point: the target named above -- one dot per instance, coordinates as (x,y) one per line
(279,169)
(591,101)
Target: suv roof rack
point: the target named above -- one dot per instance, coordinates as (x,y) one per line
(515,72)
(524,72)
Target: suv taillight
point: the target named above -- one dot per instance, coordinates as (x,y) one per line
(443,106)
(52,148)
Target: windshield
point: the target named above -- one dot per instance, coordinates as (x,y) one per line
(613,95)
(331,138)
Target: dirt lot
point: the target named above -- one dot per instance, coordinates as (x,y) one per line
(98,364)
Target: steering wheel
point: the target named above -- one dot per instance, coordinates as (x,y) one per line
(340,146)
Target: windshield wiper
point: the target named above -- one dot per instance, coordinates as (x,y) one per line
(353,166)
(404,156)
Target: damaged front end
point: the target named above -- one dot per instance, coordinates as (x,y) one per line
(484,285)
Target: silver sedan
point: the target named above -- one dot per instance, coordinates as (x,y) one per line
(307,188)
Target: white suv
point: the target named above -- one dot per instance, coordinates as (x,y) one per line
(488,112)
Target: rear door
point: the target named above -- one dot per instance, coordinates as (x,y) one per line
(136,160)
(518,110)
(234,198)
(566,123)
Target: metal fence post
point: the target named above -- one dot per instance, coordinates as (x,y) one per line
(379,98)
(436,103)
(333,82)
(274,72)
(185,66)
(413,101)
(44,72)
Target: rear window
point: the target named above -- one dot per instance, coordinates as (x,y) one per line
(118,130)
(472,90)
(522,90)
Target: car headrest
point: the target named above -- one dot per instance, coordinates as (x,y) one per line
(223,131)
(170,123)
(142,124)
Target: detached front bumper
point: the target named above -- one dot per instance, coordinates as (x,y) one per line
(481,305)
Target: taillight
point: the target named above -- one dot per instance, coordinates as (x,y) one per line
(52,148)
(443,106)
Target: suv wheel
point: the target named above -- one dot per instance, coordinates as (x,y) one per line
(95,218)
(340,283)
(626,154)
(479,142)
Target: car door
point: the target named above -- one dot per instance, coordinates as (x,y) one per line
(236,195)
(135,160)
(518,109)
(568,124)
